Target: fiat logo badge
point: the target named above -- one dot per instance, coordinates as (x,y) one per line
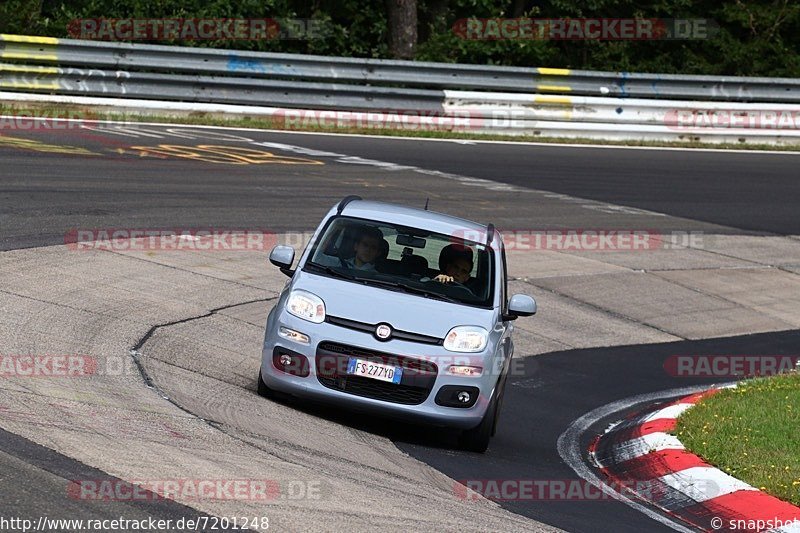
(383,331)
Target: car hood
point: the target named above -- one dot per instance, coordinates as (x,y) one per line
(405,312)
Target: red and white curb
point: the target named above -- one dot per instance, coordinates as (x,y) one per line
(640,455)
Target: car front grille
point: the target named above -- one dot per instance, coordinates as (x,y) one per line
(370,328)
(414,387)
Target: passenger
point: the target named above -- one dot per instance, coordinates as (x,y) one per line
(368,248)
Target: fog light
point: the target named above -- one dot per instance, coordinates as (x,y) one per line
(290,362)
(457,396)
(464,370)
(293,335)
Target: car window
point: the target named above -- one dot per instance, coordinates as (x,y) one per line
(405,259)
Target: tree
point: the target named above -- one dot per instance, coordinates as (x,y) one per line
(20,16)
(402,17)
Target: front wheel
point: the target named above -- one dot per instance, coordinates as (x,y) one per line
(477,439)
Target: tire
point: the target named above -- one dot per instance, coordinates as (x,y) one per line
(263,390)
(477,439)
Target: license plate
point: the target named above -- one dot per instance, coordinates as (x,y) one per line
(369,369)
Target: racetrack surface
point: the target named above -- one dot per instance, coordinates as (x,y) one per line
(565,374)
(748,191)
(33,485)
(558,388)
(99,187)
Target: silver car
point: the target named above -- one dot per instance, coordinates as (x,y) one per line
(399,312)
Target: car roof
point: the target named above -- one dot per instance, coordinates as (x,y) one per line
(415,218)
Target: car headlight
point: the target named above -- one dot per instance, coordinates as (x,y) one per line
(307,306)
(466,339)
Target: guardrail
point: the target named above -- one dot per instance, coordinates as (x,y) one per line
(543,101)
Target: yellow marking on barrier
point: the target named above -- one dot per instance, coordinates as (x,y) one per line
(27,39)
(32,70)
(554,71)
(25,55)
(28,85)
(231,155)
(554,88)
(552,99)
(37,146)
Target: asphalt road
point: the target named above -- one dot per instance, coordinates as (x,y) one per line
(44,193)
(748,191)
(556,389)
(36,481)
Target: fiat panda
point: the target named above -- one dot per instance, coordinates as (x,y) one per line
(399,312)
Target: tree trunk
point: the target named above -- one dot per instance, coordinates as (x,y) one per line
(402,15)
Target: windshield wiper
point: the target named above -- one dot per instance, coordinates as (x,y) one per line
(409,289)
(331,270)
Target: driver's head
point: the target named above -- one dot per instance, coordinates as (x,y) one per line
(368,244)
(456,260)
(460,269)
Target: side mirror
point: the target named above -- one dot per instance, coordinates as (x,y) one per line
(283,257)
(520,305)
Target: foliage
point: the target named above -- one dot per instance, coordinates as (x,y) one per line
(754,38)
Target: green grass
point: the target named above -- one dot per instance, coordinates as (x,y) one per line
(261,122)
(751,432)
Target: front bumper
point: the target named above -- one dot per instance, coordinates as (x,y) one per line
(426,412)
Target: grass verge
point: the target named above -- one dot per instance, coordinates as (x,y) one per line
(751,432)
(265,122)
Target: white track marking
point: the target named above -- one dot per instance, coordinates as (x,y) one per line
(702,483)
(671,411)
(569,447)
(653,442)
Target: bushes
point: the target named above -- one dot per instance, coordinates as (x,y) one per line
(755,37)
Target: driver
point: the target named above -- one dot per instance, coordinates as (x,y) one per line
(455,263)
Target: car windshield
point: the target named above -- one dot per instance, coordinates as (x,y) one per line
(403,259)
